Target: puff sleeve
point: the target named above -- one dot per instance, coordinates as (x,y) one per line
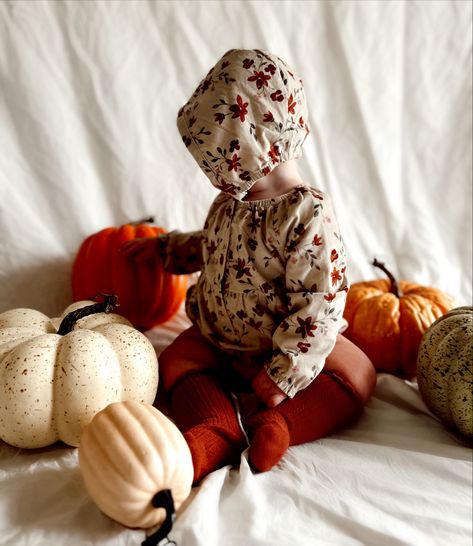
(181,253)
(316,288)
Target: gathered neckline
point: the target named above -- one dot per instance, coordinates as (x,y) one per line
(272,200)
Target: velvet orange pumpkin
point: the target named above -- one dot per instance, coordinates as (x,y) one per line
(148,295)
(387,320)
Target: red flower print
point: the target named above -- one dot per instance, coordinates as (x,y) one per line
(306,327)
(301,121)
(277,96)
(266,287)
(211,248)
(256,325)
(271,69)
(248,63)
(268,117)
(245,176)
(333,255)
(241,314)
(192,121)
(303,347)
(219,118)
(239,109)
(226,187)
(242,269)
(233,163)
(225,64)
(291,104)
(274,153)
(336,276)
(284,326)
(317,241)
(266,170)
(260,78)
(258,310)
(234,145)
(204,86)
(329,297)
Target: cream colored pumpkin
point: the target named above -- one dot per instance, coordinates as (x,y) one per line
(445,369)
(129,455)
(52,385)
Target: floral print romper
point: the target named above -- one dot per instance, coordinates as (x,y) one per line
(273,283)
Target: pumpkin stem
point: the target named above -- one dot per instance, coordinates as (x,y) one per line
(106,306)
(394,286)
(163,499)
(149,220)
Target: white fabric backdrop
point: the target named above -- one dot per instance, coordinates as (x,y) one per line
(89,93)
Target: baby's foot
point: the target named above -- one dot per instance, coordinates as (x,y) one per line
(212,447)
(269,439)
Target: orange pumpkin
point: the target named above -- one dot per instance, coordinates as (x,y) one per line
(387,320)
(148,295)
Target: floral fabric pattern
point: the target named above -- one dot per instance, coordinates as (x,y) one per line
(273,284)
(245,117)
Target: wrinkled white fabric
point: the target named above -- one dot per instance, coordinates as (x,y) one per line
(88,97)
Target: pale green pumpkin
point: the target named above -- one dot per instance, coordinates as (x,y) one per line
(445,369)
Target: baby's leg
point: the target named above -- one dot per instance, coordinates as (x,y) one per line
(201,408)
(332,401)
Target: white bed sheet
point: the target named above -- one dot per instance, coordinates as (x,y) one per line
(88,98)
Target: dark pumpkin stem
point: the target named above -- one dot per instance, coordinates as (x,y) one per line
(106,306)
(163,499)
(149,220)
(394,286)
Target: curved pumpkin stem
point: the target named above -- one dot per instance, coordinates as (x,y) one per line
(149,220)
(163,499)
(394,286)
(106,306)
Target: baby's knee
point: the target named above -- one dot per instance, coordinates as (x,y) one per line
(188,353)
(353,367)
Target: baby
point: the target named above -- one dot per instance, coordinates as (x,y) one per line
(267,307)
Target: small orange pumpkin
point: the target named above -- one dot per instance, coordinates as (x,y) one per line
(387,320)
(148,295)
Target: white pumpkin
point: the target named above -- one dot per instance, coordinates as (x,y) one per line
(136,466)
(53,382)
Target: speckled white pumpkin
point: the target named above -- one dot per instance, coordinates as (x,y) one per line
(445,369)
(52,385)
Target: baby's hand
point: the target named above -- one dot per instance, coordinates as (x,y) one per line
(267,390)
(141,249)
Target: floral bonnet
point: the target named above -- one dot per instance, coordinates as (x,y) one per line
(246,116)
